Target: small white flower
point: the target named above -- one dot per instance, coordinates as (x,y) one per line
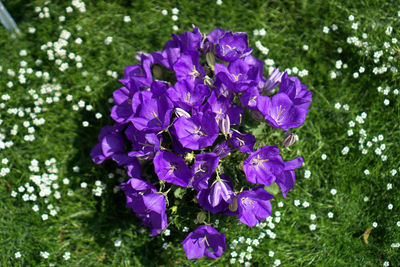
(175,11)
(83,185)
(325,30)
(385,263)
(338,105)
(333,191)
(164,12)
(307,174)
(175,28)
(390,206)
(167,232)
(313,227)
(127,19)
(386,102)
(366,172)
(45,217)
(374,224)
(117,243)
(366,199)
(306,204)
(67,255)
(351,18)
(108,40)
(324,156)
(313,217)
(345,150)
(330,215)
(174,17)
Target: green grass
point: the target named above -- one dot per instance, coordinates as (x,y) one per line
(87,226)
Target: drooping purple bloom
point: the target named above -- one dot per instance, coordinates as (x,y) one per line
(122,111)
(296,91)
(217,199)
(196,132)
(221,190)
(188,67)
(169,55)
(188,41)
(149,206)
(245,142)
(132,165)
(204,241)
(274,79)
(285,180)
(254,205)
(202,169)
(110,143)
(138,76)
(171,168)
(280,111)
(134,189)
(262,166)
(187,95)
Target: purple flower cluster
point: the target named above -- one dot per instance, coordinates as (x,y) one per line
(187,124)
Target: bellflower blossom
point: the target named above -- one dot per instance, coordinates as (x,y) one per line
(181,116)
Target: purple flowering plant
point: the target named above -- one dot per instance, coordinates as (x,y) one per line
(179,119)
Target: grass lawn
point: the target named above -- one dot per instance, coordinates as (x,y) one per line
(345,207)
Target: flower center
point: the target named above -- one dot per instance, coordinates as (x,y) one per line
(246,201)
(257,161)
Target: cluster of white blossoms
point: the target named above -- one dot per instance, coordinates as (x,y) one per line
(174,17)
(242,248)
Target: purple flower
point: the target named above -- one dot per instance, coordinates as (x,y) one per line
(245,142)
(280,111)
(147,145)
(198,131)
(296,91)
(204,241)
(188,67)
(254,205)
(286,179)
(171,168)
(223,149)
(230,46)
(237,77)
(170,54)
(202,169)
(149,206)
(188,41)
(122,111)
(111,142)
(153,114)
(262,166)
(187,95)
(138,76)
(134,189)
(249,99)
(222,107)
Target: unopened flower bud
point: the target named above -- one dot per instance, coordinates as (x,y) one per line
(225,125)
(201,217)
(257,115)
(157,72)
(288,140)
(210,60)
(233,206)
(181,112)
